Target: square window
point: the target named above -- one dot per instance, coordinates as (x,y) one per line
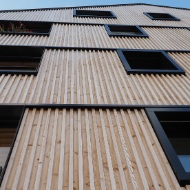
(148,62)
(10,118)
(125,31)
(171,126)
(25,27)
(161,16)
(20,59)
(93,13)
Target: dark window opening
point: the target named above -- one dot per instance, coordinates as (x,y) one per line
(25,27)
(125,30)
(20,60)
(161,16)
(172,127)
(93,13)
(10,118)
(148,62)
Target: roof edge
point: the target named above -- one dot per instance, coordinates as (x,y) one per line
(114,5)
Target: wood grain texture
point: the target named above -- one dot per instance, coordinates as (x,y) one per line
(95,77)
(73,35)
(86,148)
(106,149)
(125,15)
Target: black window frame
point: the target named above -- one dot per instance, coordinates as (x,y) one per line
(172,18)
(130,70)
(17,53)
(40,28)
(11,111)
(135,28)
(182,176)
(77,13)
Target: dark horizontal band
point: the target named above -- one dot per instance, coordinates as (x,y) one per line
(95,24)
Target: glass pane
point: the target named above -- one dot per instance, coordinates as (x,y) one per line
(185,161)
(4,151)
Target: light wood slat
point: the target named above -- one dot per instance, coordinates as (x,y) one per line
(34,147)
(96,36)
(23,154)
(95,77)
(71,156)
(125,15)
(107,150)
(157,148)
(127,157)
(80,150)
(139,142)
(40,164)
(52,152)
(100,149)
(158,166)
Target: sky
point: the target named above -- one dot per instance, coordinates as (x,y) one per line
(32,4)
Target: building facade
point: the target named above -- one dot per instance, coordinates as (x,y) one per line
(95,98)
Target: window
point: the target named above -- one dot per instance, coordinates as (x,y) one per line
(125,31)
(20,59)
(10,118)
(161,16)
(148,62)
(93,13)
(171,126)
(25,27)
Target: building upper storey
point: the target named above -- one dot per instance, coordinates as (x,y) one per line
(130,14)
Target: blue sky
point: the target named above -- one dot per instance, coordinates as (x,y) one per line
(30,4)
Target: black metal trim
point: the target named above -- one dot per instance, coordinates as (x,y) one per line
(173,18)
(182,176)
(14,139)
(96,24)
(96,48)
(95,106)
(25,33)
(129,70)
(113,5)
(101,106)
(75,14)
(142,33)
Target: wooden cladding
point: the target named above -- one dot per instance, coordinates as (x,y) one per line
(71,35)
(87,149)
(95,77)
(125,15)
